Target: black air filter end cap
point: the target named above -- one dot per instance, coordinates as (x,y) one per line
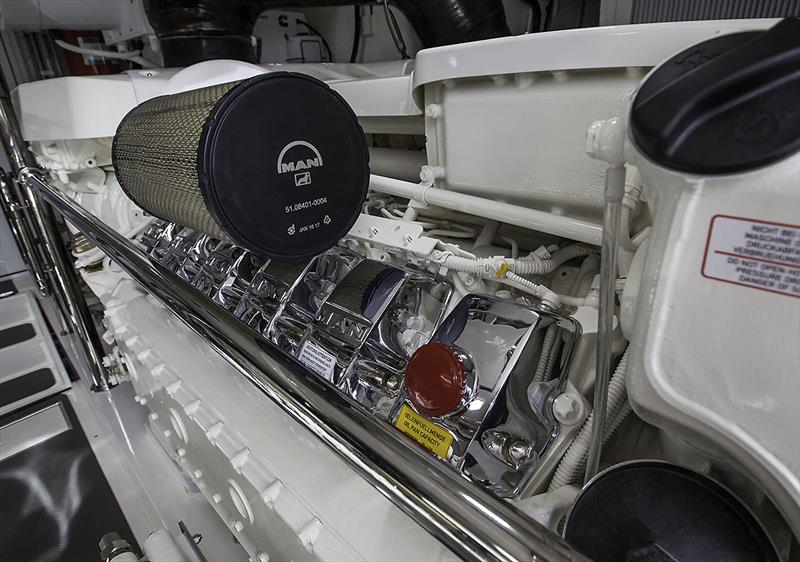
(283,165)
(726,105)
(653,511)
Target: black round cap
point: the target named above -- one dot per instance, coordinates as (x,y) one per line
(283,165)
(723,106)
(655,511)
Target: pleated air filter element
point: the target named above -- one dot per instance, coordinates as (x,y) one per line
(277,164)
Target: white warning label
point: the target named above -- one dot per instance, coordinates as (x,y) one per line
(758,254)
(317,359)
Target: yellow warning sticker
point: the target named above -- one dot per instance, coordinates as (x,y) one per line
(428,434)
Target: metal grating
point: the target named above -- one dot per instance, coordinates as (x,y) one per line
(155,156)
(649,11)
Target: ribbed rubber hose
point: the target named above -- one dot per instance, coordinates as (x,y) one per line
(563,255)
(572,465)
(544,357)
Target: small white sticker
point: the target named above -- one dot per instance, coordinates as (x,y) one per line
(317,359)
(758,254)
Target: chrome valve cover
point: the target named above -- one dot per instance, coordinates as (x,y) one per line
(503,425)
(371,320)
(237,280)
(197,254)
(375,377)
(376,331)
(307,294)
(265,293)
(175,254)
(214,270)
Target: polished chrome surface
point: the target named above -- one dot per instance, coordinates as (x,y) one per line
(181,241)
(17,151)
(373,375)
(345,318)
(305,297)
(74,313)
(214,270)
(237,280)
(196,255)
(266,292)
(66,278)
(21,231)
(471,522)
(498,433)
(150,239)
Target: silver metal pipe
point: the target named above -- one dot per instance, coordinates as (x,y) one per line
(36,211)
(18,154)
(64,284)
(66,278)
(396,163)
(21,230)
(472,523)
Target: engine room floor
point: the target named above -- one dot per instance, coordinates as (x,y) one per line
(139,490)
(56,501)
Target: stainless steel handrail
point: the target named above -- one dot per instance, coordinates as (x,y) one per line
(472,523)
(21,231)
(73,312)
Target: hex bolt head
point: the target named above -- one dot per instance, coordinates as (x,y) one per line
(568,409)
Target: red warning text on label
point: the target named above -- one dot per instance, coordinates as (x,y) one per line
(751,253)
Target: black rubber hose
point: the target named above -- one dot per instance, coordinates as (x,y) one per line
(356,33)
(321,36)
(192,31)
(447,22)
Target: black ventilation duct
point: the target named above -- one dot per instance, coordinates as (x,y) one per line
(192,31)
(447,22)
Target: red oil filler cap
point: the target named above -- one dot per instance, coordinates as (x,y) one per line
(435,379)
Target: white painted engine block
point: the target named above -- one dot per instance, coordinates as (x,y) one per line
(505,121)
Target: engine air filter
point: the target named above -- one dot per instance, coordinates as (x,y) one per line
(652,511)
(277,164)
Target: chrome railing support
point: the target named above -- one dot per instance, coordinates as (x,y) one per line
(64,284)
(471,522)
(21,231)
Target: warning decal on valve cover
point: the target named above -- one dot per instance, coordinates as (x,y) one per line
(752,253)
(317,359)
(428,434)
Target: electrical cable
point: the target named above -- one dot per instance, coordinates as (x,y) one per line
(548,19)
(320,35)
(394,30)
(582,13)
(356,33)
(132,56)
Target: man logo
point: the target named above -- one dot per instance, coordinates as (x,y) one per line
(305,156)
